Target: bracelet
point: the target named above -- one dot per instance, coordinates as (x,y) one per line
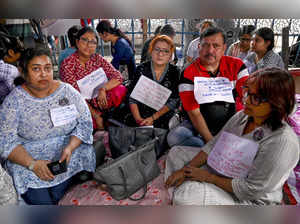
(31,165)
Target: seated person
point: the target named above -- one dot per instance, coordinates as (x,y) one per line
(85,61)
(262,54)
(11,48)
(10,51)
(35,130)
(193,51)
(206,115)
(145,48)
(122,49)
(241,48)
(160,70)
(168,30)
(72,34)
(8,194)
(259,128)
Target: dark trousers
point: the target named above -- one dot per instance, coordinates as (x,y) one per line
(46,196)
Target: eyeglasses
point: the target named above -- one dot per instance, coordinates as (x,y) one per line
(88,42)
(163,51)
(245,39)
(254,98)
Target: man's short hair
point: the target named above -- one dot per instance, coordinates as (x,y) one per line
(167,30)
(212,31)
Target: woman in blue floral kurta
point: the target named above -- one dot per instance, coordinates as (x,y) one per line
(29,138)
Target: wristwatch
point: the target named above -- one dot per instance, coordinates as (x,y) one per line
(31,165)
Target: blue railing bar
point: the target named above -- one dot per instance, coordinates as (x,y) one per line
(132,30)
(101,43)
(66,41)
(149,27)
(182,36)
(272,25)
(85,22)
(239,23)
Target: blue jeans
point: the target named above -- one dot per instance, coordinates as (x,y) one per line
(185,135)
(46,196)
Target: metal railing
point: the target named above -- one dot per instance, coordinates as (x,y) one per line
(133,28)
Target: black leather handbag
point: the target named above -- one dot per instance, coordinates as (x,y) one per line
(121,138)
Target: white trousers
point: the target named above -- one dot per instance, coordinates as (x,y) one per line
(193,192)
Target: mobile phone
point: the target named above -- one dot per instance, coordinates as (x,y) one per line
(57,168)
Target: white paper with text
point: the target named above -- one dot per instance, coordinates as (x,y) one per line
(208,90)
(150,93)
(89,85)
(63,115)
(232,155)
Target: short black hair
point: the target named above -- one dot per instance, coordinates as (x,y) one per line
(167,30)
(72,34)
(267,34)
(29,54)
(212,31)
(247,29)
(8,42)
(87,29)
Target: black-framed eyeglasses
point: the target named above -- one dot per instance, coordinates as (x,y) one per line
(254,98)
(89,42)
(163,51)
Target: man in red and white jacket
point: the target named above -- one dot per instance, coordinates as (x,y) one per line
(205,116)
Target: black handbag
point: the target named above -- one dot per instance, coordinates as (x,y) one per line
(130,172)
(121,138)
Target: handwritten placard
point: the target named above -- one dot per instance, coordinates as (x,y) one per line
(208,90)
(232,155)
(150,93)
(63,115)
(89,85)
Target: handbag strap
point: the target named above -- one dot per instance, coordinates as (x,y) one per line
(136,129)
(125,185)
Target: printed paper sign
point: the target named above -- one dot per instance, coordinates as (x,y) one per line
(232,156)
(150,93)
(208,90)
(89,86)
(63,115)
